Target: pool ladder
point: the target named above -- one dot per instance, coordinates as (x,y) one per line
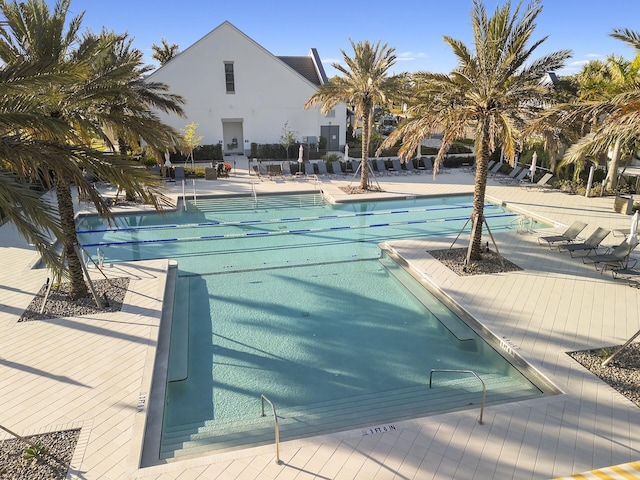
(484,388)
(275,421)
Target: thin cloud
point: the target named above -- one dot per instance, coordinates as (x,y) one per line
(409,56)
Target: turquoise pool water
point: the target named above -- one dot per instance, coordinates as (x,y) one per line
(291,299)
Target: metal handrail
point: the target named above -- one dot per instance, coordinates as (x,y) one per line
(484,388)
(275,421)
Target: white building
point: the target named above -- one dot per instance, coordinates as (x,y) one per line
(238,93)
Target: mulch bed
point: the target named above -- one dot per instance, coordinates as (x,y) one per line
(454,259)
(59,304)
(52,466)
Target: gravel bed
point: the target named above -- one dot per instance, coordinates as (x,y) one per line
(59,304)
(53,466)
(454,258)
(622,373)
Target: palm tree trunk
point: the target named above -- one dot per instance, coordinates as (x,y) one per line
(70,239)
(482,160)
(366,138)
(612,173)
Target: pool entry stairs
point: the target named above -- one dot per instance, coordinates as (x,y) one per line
(363,412)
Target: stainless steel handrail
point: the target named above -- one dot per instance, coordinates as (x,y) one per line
(484,388)
(275,421)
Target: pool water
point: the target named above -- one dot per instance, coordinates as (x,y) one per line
(290,298)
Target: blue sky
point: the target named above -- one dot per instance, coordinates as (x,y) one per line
(413,27)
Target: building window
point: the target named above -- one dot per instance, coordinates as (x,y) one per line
(228,77)
(331,113)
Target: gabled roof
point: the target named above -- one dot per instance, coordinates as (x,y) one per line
(309,67)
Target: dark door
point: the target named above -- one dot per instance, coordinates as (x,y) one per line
(332,134)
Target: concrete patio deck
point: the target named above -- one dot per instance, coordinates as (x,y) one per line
(95,372)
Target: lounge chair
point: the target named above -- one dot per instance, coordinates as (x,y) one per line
(618,258)
(380,167)
(408,165)
(517,179)
(539,185)
(336,168)
(397,166)
(507,178)
(427,164)
(568,236)
(322,168)
(286,170)
(274,171)
(494,169)
(308,168)
(179,173)
(591,244)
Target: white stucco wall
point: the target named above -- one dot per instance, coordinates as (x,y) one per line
(268,92)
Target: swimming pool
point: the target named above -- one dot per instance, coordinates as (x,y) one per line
(290,298)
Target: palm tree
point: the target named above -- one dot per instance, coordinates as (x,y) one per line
(607,97)
(495,91)
(365,83)
(164,52)
(104,95)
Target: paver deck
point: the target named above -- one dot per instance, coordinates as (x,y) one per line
(95,372)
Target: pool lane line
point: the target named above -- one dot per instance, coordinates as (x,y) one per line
(277,220)
(288,232)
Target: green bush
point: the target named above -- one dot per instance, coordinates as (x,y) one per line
(331,157)
(148,161)
(208,152)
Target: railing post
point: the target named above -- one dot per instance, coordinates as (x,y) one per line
(484,388)
(275,421)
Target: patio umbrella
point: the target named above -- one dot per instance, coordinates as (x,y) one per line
(167,159)
(532,168)
(632,239)
(300,159)
(346,153)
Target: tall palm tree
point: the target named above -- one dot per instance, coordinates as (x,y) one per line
(106,95)
(608,98)
(164,52)
(365,83)
(495,90)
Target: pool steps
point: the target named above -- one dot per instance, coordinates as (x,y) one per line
(334,416)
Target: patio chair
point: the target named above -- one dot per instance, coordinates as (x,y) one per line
(591,244)
(517,179)
(322,168)
(179,173)
(568,236)
(427,164)
(498,177)
(286,170)
(408,165)
(618,258)
(336,168)
(397,166)
(381,167)
(539,185)
(308,168)
(274,171)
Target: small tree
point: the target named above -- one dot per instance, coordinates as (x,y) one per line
(191,140)
(288,137)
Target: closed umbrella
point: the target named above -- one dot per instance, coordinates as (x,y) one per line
(532,168)
(346,153)
(632,239)
(300,159)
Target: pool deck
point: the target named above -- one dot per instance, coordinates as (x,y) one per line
(95,372)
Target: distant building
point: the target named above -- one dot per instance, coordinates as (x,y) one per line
(238,93)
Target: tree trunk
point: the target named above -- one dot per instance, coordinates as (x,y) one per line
(69,239)
(482,160)
(612,173)
(366,138)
